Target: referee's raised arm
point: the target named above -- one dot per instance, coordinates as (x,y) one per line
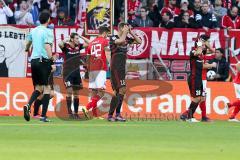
(41,39)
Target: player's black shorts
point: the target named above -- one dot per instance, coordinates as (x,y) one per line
(41,70)
(73,80)
(118,78)
(195,86)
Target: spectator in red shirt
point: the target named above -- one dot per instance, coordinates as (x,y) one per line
(183,7)
(231,20)
(169,8)
(133,6)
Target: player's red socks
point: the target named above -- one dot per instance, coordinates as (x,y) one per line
(236,103)
(202,106)
(235,112)
(93,104)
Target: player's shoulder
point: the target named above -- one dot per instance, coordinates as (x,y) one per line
(34,29)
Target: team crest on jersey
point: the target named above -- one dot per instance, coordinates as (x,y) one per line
(138,49)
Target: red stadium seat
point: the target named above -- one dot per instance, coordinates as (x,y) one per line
(178,66)
(180,76)
(158,64)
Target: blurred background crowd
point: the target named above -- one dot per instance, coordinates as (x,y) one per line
(206,14)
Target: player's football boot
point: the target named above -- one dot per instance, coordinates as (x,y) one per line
(111,119)
(233,120)
(71,116)
(85,112)
(193,120)
(99,118)
(26,112)
(76,116)
(36,116)
(44,119)
(206,119)
(183,117)
(120,118)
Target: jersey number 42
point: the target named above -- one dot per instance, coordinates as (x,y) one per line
(96,50)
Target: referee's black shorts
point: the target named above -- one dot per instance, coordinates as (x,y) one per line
(41,70)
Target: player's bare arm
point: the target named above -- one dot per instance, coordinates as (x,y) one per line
(86,40)
(211,50)
(108,54)
(88,61)
(48,48)
(62,43)
(137,40)
(198,51)
(28,45)
(209,66)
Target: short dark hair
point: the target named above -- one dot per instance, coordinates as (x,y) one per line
(44,17)
(204,37)
(23,1)
(145,8)
(205,2)
(73,34)
(221,50)
(103,29)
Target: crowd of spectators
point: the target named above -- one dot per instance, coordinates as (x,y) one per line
(206,14)
(25,12)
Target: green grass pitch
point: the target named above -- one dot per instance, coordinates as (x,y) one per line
(101,140)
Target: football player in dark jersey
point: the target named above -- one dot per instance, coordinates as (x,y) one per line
(195,82)
(119,47)
(71,71)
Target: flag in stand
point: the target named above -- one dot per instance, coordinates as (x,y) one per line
(81,13)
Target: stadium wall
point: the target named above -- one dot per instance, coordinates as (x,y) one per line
(144,99)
